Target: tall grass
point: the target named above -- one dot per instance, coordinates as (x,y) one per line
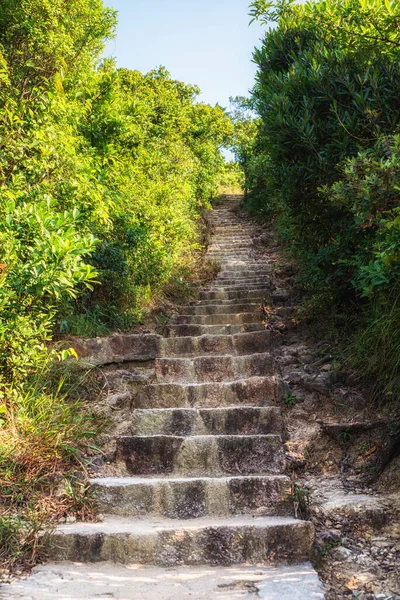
(44,437)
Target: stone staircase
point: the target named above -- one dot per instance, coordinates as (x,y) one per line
(202,480)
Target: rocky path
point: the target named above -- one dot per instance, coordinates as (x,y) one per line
(197,496)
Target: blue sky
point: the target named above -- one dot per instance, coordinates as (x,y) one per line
(204,42)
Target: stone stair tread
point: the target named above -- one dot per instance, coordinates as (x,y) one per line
(226,382)
(155,480)
(213,367)
(220,319)
(184,497)
(263,390)
(197,421)
(200,454)
(170,542)
(214,436)
(221,409)
(87,582)
(197,330)
(143,526)
(236,344)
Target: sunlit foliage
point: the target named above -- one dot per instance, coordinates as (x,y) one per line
(325,159)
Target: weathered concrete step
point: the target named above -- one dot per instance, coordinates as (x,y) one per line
(213,541)
(240,293)
(122,348)
(228,253)
(250,282)
(230,245)
(227,259)
(236,344)
(236,225)
(68,581)
(248,261)
(224,260)
(254,391)
(231,239)
(196,330)
(191,498)
(223,319)
(252,266)
(240,286)
(216,309)
(236,270)
(202,455)
(242,280)
(241,420)
(230,249)
(223,230)
(220,302)
(213,368)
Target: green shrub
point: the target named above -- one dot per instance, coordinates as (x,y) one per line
(325,158)
(103,175)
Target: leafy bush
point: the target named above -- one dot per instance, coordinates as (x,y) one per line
(231,179)
(103,175)
(325,157)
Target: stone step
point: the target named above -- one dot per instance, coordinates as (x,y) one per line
(191,498)
(239,254)
(201,455)
(249,283)
(213,368)
(197,330)
(215,301)
(245,276)
(236,271)
(224,260)
(258,279)
(242,269)
(208,541)
(223,319)
(240,286)
(254,391)
(216,309)
(240,420)
(69,581)
(236,344)
(250,267)
(240,247)
(230,245)
(232,239)
(243,248)
(228,229)
(238,293)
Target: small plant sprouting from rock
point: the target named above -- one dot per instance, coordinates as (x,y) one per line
(300,496)
(290,399)
(329,546)
(345,435)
